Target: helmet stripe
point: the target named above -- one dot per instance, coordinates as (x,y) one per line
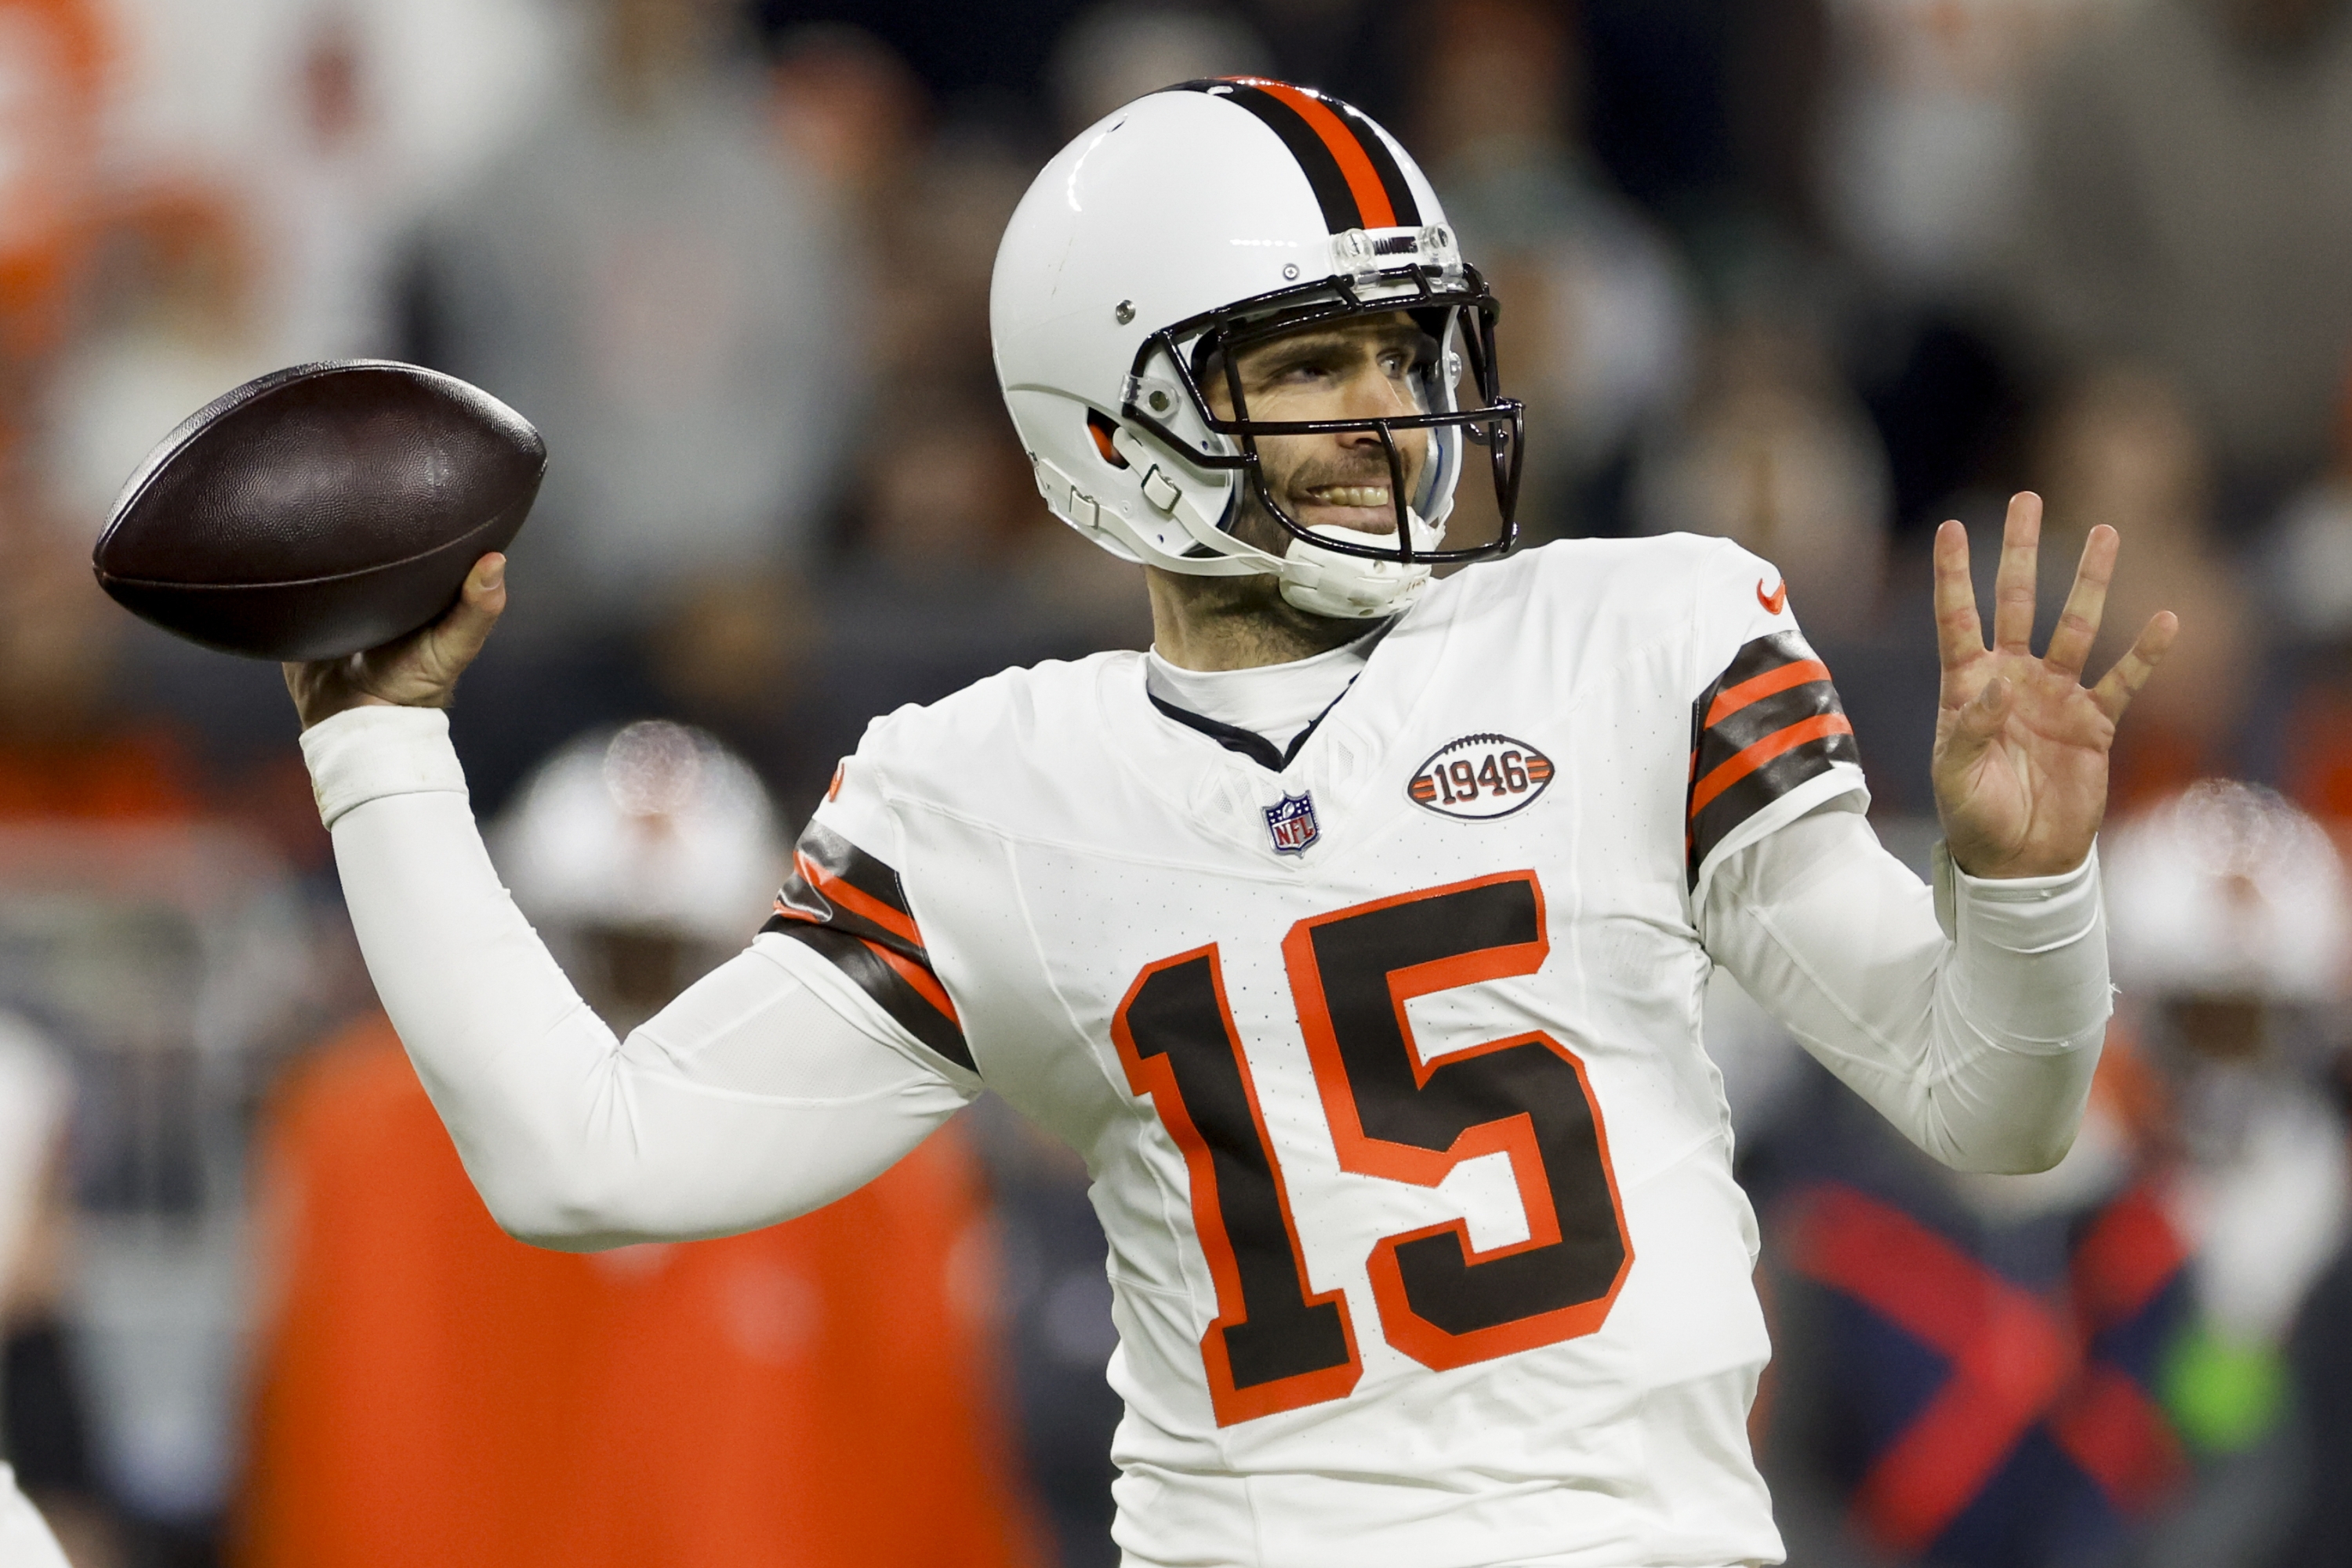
(1384,163)
(1322,170)
(1355,177)
(1347,151)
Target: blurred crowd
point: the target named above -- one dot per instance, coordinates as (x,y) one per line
(1811,274)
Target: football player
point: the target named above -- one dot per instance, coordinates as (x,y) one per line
(1355,935)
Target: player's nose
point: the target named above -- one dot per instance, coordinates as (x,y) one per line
(1369,394)
(1372,394)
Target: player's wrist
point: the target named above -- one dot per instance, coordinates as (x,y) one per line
(365,752)
(322,691)
(1978,849)
(1980,860)
(315,713)
(2022,877)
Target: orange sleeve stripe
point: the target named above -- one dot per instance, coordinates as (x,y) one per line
(927,984)
(1780,741)
(1363,180)
(895,922)
(1755,688)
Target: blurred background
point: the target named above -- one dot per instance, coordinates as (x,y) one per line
(1813,274)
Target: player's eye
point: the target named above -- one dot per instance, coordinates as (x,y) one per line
(1417,358)
(1305,371)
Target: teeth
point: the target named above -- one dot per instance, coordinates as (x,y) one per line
(1352,495)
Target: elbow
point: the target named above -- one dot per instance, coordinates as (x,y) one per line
(2025,1146)
(564,1241)
(2018,1115)
(559,1228)
(574,1216)
(596,1211)
(2016,1156)
(566,1233)
(2049,1152)
(576,1232)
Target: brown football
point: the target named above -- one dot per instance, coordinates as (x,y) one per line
(321,510)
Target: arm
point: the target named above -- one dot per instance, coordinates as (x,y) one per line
(768,1088)
(1978,1046)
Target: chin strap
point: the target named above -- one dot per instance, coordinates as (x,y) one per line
(1350,587)
(1318,581)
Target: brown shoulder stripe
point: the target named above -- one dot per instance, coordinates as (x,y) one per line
(851,906)
(1771,722)
(834,881)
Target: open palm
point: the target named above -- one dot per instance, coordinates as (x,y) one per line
(2020,762)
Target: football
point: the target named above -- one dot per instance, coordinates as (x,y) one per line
(319,510)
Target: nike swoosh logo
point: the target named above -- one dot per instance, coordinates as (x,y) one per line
(1774,601)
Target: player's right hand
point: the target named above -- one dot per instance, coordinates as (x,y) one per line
(419,671)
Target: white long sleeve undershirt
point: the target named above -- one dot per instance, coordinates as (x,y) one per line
(773,1086)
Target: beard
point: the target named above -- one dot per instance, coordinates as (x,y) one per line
(1250,610)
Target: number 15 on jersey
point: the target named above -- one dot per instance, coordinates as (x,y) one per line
(1394,1114)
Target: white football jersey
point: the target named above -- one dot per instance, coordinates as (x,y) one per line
(1384,1054)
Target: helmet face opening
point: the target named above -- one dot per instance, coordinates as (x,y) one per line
(1451,303)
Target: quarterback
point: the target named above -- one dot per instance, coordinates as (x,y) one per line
(1355,934)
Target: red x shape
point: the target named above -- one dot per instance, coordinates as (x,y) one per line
(2016,1359)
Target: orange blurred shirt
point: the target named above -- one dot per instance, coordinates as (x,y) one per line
(430,1391)
(50,82)
(120,778)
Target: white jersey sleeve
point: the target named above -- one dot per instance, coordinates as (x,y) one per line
(845,903)
(1979,1045)
(1770,740)
(768,1088)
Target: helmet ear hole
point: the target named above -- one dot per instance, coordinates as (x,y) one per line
(1102,430)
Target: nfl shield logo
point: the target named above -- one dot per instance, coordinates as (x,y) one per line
(1292,823)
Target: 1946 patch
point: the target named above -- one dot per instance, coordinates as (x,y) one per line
(1480,777)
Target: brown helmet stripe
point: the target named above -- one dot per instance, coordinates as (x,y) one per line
(1383,162)
(1355,178)
(1347,149)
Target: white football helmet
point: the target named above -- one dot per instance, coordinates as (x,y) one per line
(655,827)
(1198,220)
(2226,889)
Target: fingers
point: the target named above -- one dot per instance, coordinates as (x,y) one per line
(2120,685)
(1980,720)
(485,593)
(2012,586)
(2078,623)
(462,634)
(1959,635)
(419,671)
(1975,725)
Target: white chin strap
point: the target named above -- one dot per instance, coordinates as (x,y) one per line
(1350,587)
(1320,581)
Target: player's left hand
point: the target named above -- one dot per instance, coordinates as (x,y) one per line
(2020,762)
